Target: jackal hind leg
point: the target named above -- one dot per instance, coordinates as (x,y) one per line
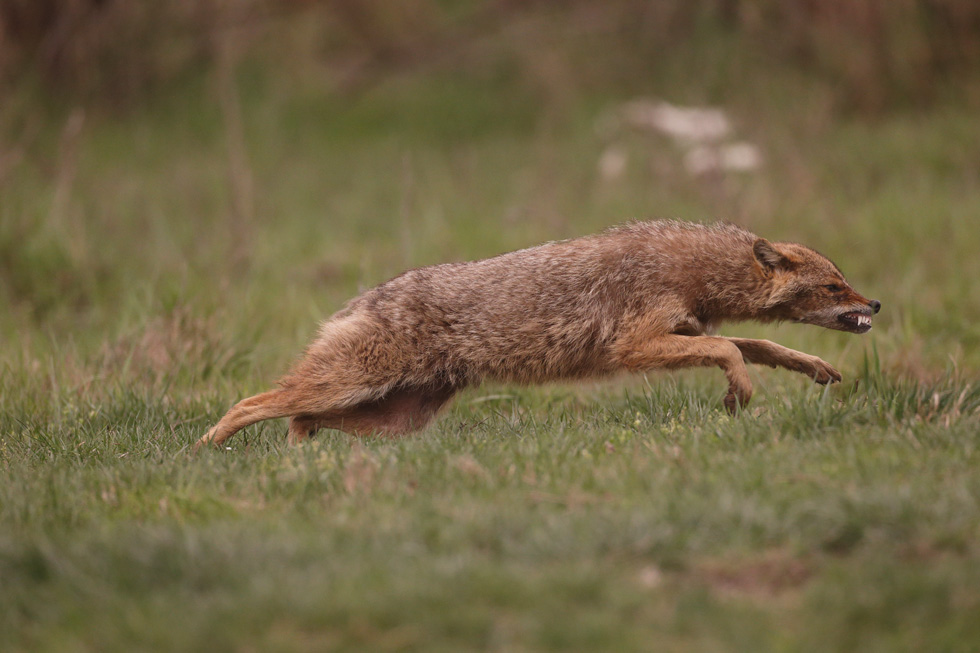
(301,427)
(301,400)
(263,406)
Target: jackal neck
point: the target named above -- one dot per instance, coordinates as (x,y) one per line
(716,270)
(732,288)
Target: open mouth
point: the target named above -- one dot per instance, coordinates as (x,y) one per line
(856,322)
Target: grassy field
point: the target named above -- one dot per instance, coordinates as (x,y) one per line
(156,267)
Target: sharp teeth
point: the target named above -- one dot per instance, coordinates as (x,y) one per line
(864,320)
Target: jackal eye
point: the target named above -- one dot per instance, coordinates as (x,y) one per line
(834,287)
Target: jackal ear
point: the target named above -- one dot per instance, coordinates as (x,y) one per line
(768,256)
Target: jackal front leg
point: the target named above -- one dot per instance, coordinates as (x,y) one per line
(764,352)
(671,352)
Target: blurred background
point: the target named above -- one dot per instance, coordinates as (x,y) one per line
(187,187)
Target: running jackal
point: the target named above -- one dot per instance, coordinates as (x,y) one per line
(644,296)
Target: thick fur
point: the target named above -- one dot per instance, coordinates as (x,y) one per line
(639,297)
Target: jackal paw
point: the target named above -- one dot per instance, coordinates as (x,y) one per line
(820,371)
(735,403)
(205,439)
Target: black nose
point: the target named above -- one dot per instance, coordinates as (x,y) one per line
(875,305)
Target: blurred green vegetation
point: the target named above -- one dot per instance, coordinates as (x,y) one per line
(176,217)
(875,52)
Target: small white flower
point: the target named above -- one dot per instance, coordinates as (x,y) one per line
(689,124)
(740,157)
(612,163)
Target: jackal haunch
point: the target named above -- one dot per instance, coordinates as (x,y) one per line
(643,296)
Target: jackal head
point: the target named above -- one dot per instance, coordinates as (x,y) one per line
(805,286)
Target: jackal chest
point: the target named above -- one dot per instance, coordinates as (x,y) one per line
(691,325)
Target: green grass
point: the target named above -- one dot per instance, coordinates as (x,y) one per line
(627,515)
(537,520)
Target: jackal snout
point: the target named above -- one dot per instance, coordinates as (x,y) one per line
(842,310)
